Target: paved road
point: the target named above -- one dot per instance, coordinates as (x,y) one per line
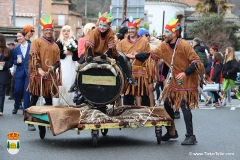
(217,132)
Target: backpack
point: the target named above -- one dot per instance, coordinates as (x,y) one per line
(221,75)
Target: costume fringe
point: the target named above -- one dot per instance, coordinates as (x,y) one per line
(34,86)
(139,90)
(152,70)
(203,77)
(139,73)
(189,96)
(175,97)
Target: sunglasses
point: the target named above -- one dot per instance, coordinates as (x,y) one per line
(103,26)
(32,31)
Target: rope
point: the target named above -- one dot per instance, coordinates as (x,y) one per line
(53,84)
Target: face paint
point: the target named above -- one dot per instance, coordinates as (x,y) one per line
(132,29)
(167,32)
(103,26)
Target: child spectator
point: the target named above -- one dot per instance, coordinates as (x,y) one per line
(216,74)
(230,70)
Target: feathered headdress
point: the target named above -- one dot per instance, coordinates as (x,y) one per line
(132,22)
(173,25)
(105,17)
(47,23)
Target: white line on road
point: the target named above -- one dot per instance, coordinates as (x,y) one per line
(233,108)
(208,108)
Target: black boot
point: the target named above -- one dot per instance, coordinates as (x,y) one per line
(127,70)
(167,136)
(75,98)
(90,55)
(80,100)
(189,140)
(74,87)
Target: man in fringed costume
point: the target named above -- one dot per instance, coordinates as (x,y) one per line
(44,59)
(101,43)
(182,89)
(135,47)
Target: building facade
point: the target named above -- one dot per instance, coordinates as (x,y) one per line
(63,16)
(159,12)
(27,12)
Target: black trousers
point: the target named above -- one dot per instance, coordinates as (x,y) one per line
(157,89)
(34,100)
(187,114)
(129,100)
(12,87)
(216,95)
(2,96)
(8,86)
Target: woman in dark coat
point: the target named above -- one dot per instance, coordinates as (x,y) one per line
(6,62)
(230,69)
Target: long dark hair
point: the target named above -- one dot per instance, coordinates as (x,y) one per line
(3,45)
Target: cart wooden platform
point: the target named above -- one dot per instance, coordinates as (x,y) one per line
(103,127)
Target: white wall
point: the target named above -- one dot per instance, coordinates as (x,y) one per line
(156,10)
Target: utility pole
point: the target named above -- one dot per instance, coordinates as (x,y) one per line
(86,9)
(40,15)
(163,22)
(14,14)
(124,11)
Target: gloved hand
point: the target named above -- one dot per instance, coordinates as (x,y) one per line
(89,59)
(103,56)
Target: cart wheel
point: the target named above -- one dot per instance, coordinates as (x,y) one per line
(104,132)
(94,140)
(159,139)
(158,132)
(42,131)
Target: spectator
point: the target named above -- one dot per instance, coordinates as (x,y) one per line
(230,70)
(81,42)
(29,31)
(15,42)
(216,74)
(5,64)
(11,45)
(122,33)
(21,79)
(200,50)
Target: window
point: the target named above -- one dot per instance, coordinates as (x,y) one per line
(61,20)
(22,21)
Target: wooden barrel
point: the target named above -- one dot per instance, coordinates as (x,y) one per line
(99,84)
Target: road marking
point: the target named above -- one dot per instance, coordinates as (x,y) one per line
(208,108)
(233,108)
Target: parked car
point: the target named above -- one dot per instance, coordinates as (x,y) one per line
(237,82)
(238,74)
